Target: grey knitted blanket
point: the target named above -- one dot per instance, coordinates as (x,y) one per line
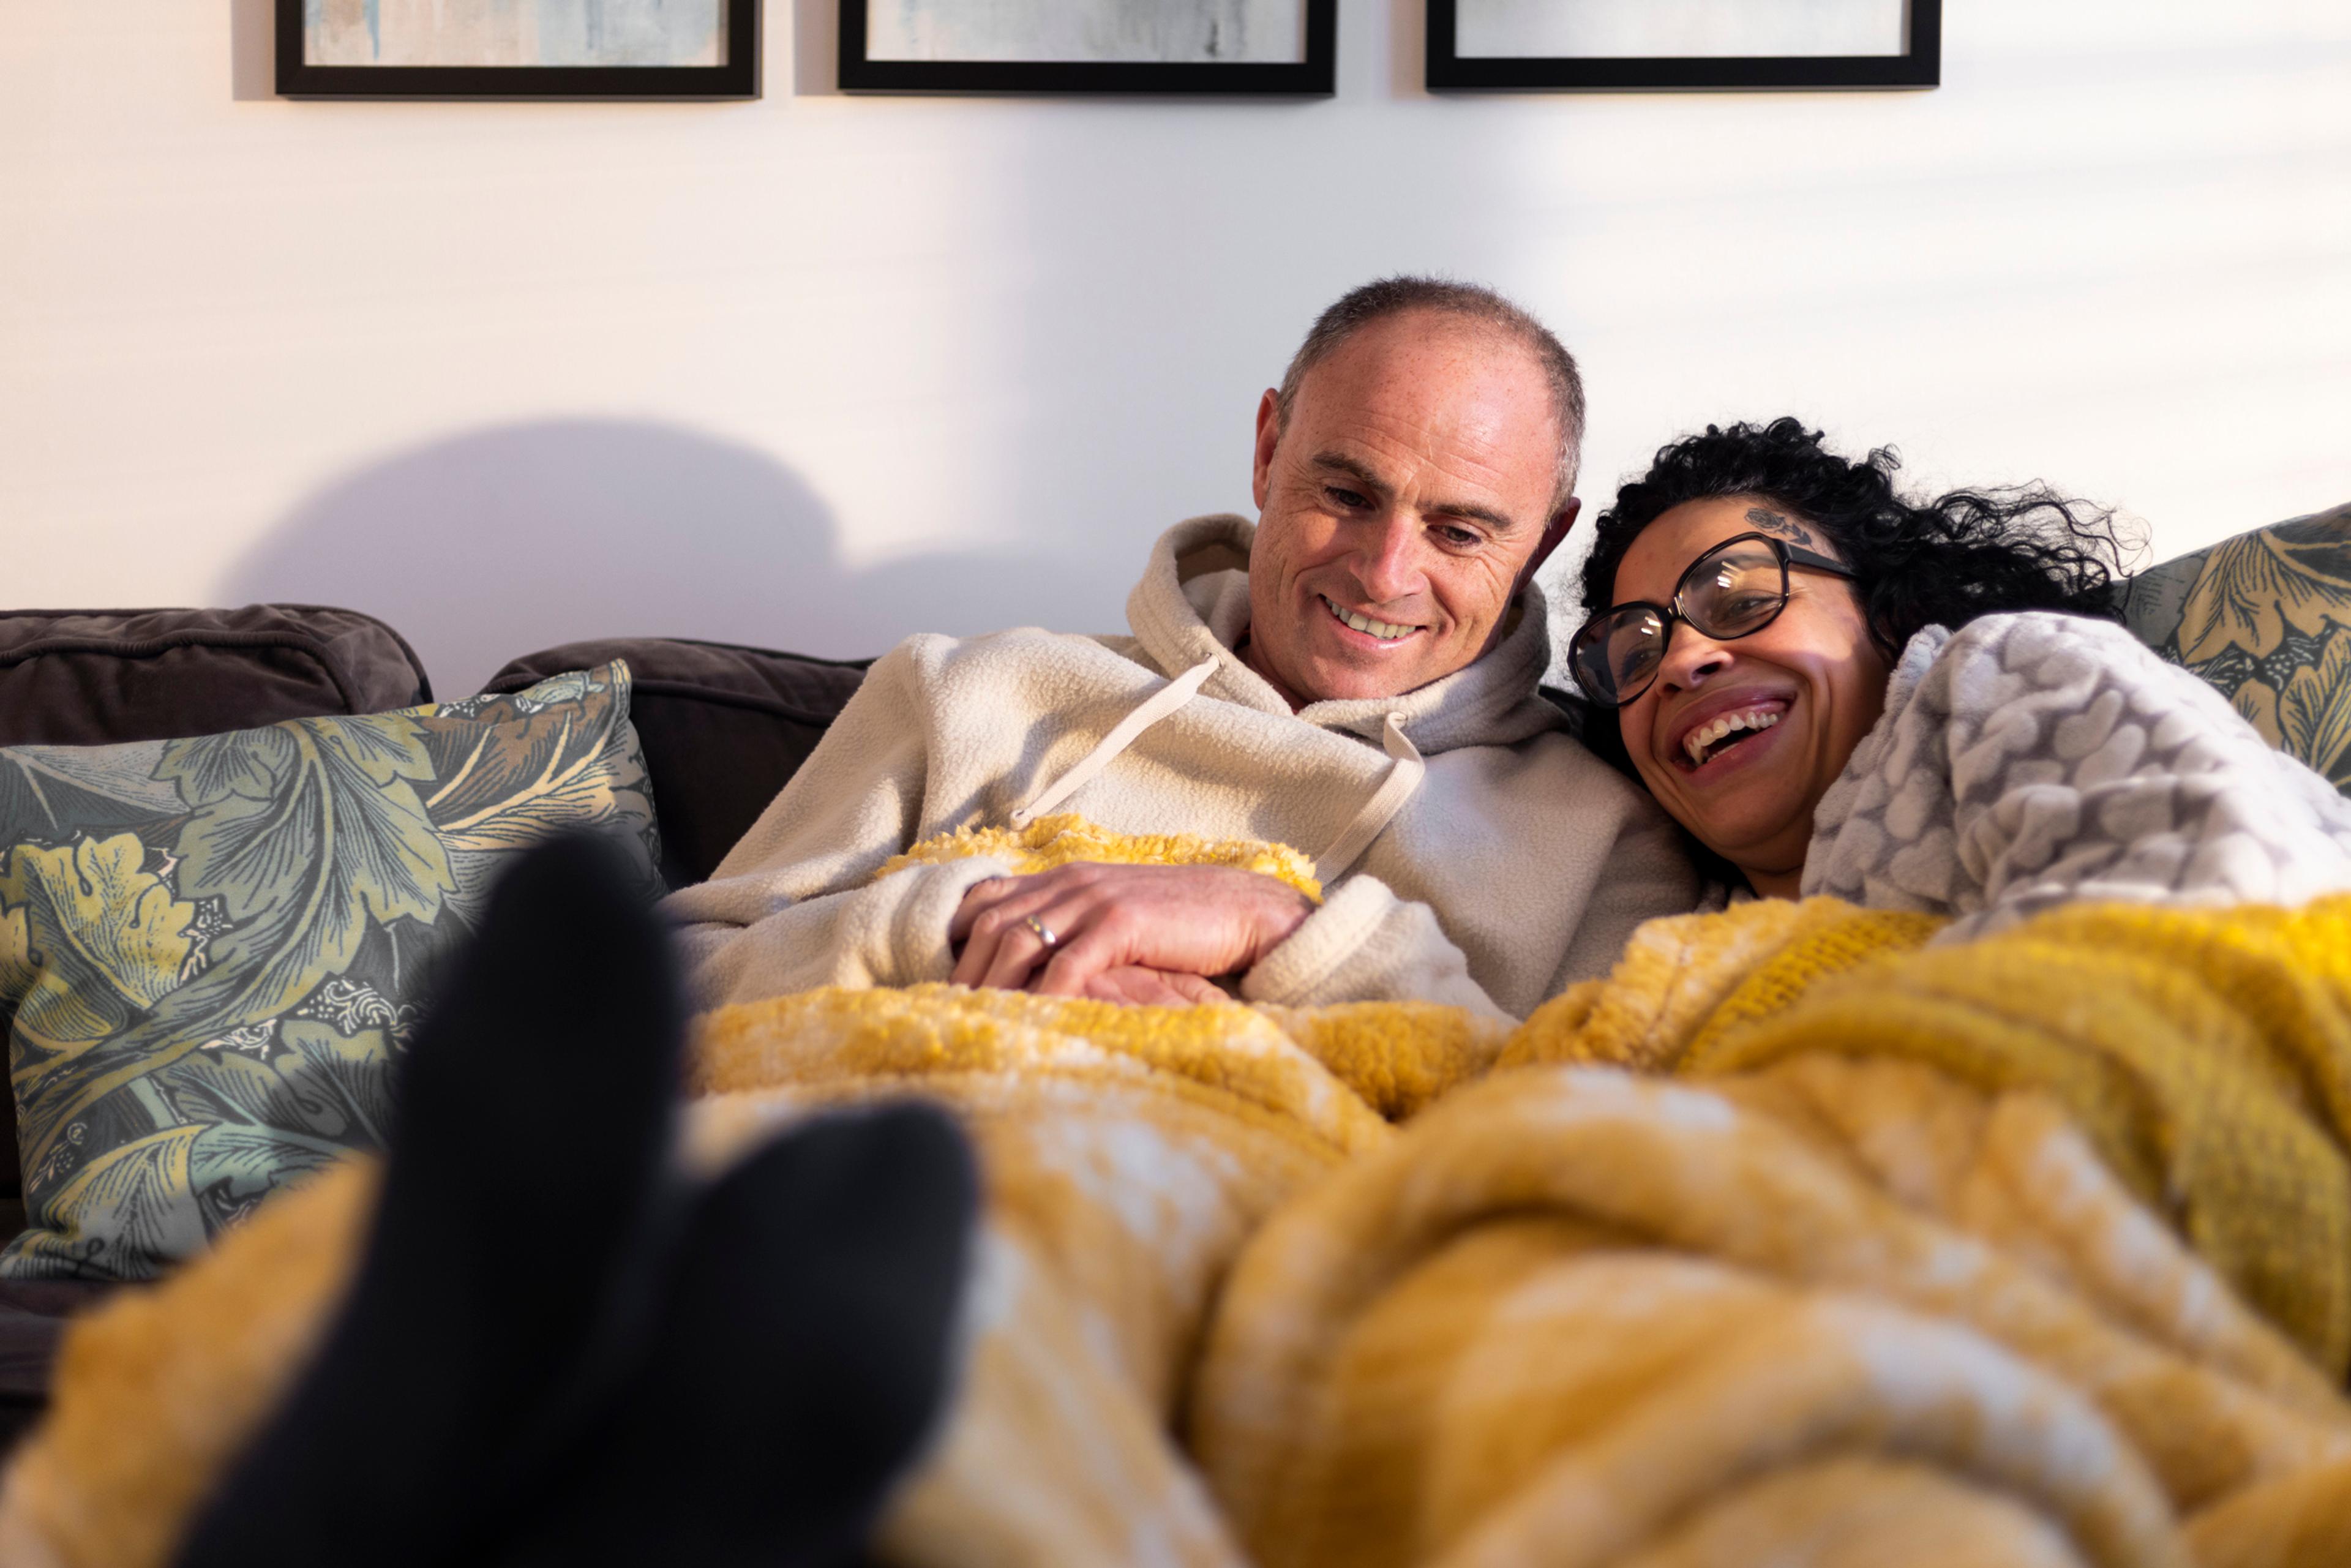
(2034,760)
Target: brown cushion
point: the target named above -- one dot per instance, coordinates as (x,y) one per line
(98,677)
(722,725)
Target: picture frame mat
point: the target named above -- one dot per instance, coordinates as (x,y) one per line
(1315,74)
(1087,32)
(1920,65)
(738,77)
(1681,29)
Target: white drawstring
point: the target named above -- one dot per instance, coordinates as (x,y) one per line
(1379,810)
(1154,708)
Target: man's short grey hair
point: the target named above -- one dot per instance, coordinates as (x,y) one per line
(1376,301)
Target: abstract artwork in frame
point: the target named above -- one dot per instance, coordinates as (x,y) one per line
(518,48)
(1089,46)
(1614,45)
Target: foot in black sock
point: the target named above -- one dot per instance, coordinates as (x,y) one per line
(799,1360)
(526,1210)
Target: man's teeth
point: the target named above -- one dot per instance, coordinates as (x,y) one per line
(1696,742)
(1385,631)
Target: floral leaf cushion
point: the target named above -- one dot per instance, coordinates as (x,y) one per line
(212,950)
(2266,618)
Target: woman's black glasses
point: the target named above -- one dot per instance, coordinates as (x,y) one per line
(1733,591)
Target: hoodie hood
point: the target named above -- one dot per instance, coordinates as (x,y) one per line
(1193,606)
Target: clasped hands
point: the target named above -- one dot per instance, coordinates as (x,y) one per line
(1150,934)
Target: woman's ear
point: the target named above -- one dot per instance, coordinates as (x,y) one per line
(1881,634)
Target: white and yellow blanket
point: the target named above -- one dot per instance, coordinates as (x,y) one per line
(1794,1240)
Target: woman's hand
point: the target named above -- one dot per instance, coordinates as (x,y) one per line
(1194,921)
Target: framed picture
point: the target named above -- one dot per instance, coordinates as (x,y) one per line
(518,48)
(1088,46)
(1611,45)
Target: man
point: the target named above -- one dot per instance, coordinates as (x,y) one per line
(1354,677)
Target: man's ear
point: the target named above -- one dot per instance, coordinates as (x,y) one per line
(1269,436)
(1554,532)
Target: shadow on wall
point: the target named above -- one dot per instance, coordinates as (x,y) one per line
(491,545)
(253,34)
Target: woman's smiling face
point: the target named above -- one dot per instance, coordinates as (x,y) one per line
(1740,740)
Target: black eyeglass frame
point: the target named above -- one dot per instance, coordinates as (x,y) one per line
(1667,613)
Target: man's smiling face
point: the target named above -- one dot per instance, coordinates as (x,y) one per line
(1410,492)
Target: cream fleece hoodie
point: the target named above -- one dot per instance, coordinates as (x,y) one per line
(1503,860)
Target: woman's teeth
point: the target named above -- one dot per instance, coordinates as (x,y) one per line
(1697,742)
(1386,631)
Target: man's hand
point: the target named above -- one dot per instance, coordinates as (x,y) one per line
(1140,986)
(1198,921)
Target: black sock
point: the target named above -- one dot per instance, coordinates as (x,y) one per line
(799,1360)
(523,1223)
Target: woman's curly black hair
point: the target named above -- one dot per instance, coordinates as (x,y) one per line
(1970,553)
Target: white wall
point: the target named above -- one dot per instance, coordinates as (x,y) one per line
(820,371)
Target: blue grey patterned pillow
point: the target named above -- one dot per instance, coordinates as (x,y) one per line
(212,951)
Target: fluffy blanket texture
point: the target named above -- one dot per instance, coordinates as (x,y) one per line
(2034,760)
(1796,1239)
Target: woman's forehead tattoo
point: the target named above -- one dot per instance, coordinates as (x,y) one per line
(1772,522)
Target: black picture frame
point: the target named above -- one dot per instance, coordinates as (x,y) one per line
(1313,76)
(1920,66)
(737,78)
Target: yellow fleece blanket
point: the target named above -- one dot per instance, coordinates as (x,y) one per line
(2029,1250)
(2206,1054)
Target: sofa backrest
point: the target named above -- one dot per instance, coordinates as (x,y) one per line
(96,677)
(723,726)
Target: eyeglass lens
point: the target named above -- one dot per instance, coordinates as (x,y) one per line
(1735,592)
(1731,593)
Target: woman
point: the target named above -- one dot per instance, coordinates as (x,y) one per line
(1922,706)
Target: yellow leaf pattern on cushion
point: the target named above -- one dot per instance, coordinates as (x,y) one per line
(2251,590)
(2314,711)
(17,970)
(139,1191)
(112,938)
(2258,706)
